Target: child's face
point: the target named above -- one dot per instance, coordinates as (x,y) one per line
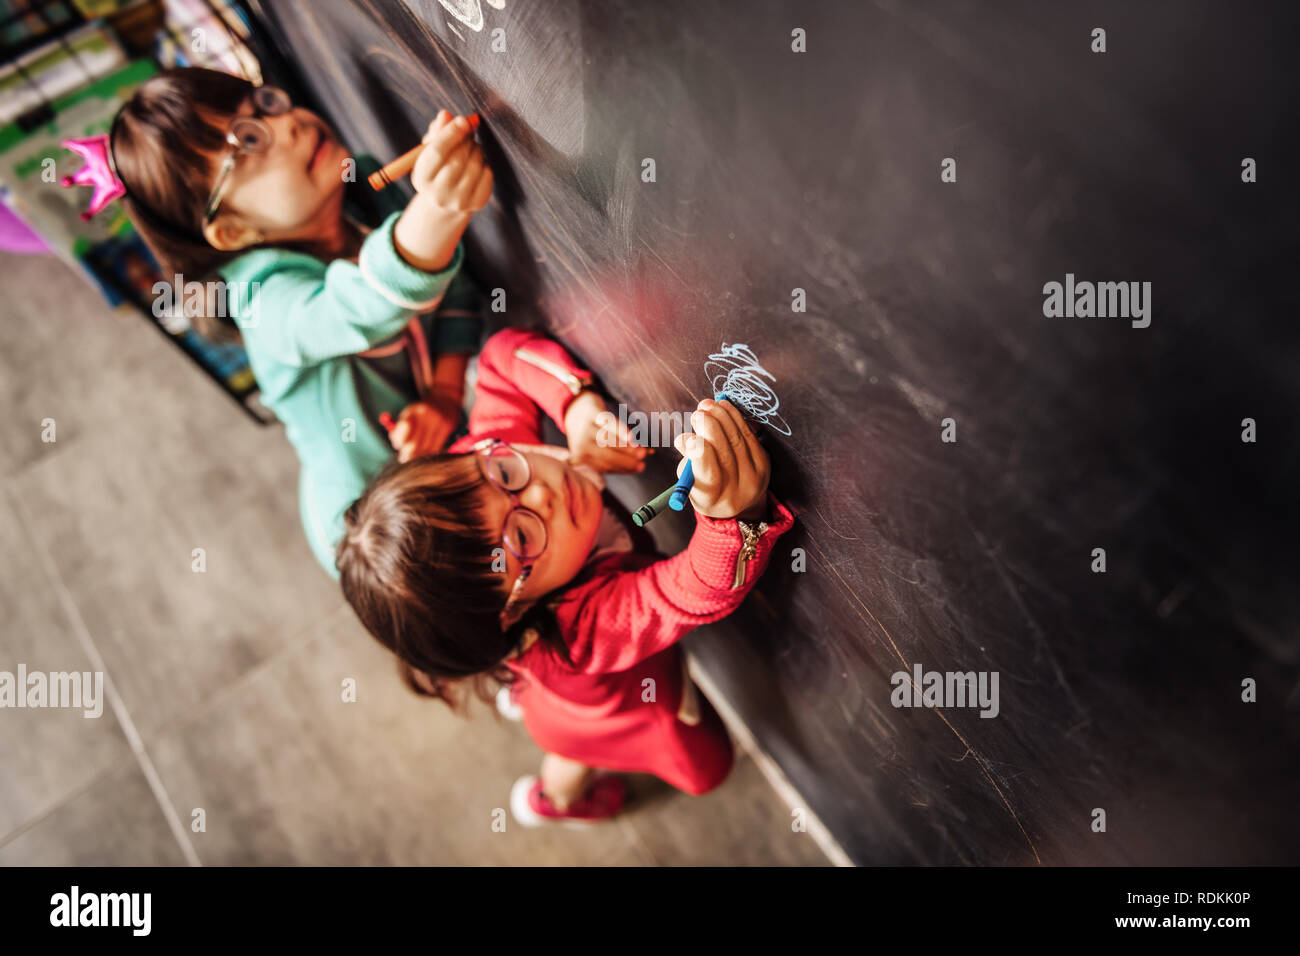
(282,193)
(569,504)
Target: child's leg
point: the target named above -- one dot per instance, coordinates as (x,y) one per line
(563,780)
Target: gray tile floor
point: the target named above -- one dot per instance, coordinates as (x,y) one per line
(224,686)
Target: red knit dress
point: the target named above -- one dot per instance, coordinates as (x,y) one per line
(625,702)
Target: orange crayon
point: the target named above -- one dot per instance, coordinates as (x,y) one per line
(406,162)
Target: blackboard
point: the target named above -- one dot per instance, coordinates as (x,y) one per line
(823,171)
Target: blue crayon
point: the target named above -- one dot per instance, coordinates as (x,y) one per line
(687,478)
(683,490)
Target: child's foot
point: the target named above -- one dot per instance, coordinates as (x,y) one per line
(506,705)
(602,800)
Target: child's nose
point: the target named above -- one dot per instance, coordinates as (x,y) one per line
(286,126)
(539,496)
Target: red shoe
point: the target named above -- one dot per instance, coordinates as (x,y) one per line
(602,800)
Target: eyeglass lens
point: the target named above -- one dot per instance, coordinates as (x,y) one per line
(506,468)
(525,534)
(252,134)
(270,100)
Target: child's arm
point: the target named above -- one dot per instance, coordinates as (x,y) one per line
(522,374)
(451,183)
(300,318)
(449,376)
(621,617)
(424,427)
(405,266)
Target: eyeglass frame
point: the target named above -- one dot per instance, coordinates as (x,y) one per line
(482,451)
(237,147)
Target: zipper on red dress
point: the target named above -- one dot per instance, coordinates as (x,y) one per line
(748,549)
(571,381)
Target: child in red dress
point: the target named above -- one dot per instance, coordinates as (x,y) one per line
(498,563)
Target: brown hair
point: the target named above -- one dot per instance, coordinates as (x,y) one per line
(162,139)
(415,563)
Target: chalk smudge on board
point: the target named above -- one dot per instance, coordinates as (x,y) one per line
(468,12)
(736,371)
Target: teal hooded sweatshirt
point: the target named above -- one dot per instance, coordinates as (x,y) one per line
(305,324)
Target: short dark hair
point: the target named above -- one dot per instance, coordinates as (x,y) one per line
(416,564)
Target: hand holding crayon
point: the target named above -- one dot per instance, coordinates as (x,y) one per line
(451,182)
(725,470)
(406,162)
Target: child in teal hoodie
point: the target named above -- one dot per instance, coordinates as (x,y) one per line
(342,325)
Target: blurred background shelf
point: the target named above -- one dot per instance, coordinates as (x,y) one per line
(66,66)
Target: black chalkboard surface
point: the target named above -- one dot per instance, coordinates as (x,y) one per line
(818,179)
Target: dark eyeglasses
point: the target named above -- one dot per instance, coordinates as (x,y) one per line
(247,134)
(524,530)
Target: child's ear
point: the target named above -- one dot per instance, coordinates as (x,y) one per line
(229,235)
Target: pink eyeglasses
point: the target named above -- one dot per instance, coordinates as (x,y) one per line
(524,530)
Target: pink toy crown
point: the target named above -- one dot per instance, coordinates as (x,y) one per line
(97,171)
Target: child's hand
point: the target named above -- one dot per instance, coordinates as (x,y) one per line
(450,171)
(424,427)
(597,438)
(451,183)
(731,468)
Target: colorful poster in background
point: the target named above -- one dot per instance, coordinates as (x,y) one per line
(222,29)
(26,22)
(107,248)
(56,68)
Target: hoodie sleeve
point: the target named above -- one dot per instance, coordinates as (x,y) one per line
(622,616)
(300,317)
(522,374)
